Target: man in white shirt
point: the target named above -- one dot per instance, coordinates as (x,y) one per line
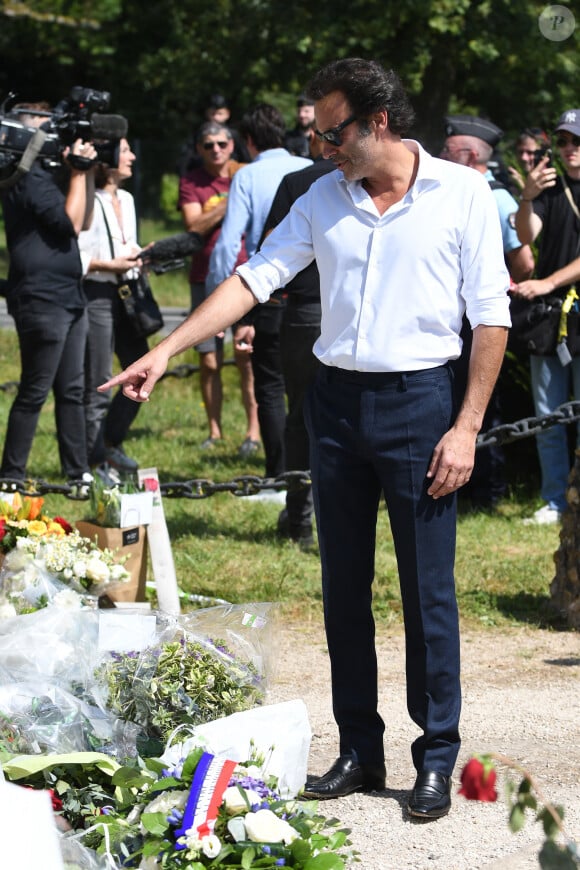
(404,243)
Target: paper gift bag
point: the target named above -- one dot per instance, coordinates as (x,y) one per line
(123,542)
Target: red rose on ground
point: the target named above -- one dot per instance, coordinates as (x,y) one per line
(2,527)
(63,523)
(477,783)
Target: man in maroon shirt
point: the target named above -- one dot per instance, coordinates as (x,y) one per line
(202,199)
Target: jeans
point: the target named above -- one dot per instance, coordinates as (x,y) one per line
(373,435)
(300,329)
(110,330)
(52,348)
(552,385)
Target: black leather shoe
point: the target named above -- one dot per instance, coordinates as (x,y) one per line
(431,795)
(345,777)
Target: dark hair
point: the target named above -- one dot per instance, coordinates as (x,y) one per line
(265,125)
(101,175)
(217,101)
(540,136)
(368,87)
(212,128)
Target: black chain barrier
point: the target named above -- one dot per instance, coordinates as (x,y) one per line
(245,485)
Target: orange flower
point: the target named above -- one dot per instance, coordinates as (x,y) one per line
(34,506)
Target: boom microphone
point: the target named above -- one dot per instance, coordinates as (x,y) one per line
(108,126)
(169,253)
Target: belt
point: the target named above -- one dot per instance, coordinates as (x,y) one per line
(346,376)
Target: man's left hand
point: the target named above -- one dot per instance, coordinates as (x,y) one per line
(452,462)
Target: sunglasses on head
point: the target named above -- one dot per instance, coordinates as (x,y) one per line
(333,136)
(562,141)
(207,146)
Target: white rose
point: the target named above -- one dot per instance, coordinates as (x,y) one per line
(97,570)
(234,801)
(119,573)
(80,568)
(265,827)
(211,846)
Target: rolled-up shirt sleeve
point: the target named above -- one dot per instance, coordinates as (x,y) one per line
(285,252)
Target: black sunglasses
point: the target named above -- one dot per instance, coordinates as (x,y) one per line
(333,136)
(207,146)
(561,141)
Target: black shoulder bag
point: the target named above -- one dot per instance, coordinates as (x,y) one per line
(137,297)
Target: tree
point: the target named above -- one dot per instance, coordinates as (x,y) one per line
(161,60)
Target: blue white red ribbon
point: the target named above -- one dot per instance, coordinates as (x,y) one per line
(209,783)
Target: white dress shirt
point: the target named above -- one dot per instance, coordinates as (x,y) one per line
(394,287)
(94,242)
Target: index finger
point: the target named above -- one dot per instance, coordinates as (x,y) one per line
(136,385)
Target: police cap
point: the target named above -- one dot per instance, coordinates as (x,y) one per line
(469,125)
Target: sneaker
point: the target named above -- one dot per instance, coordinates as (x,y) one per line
(117,458)
(248,447)
(544,516)
(209,443)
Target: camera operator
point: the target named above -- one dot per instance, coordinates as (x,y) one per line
(109,251)
(46,300)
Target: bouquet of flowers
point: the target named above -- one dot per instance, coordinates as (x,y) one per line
(205,811)
(105,501)
(23,518)
(59,569)
(180,681)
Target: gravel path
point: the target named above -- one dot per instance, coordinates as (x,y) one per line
(520,698)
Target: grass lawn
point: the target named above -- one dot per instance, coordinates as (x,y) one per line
(226,547)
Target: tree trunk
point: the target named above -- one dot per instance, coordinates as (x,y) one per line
(565,587)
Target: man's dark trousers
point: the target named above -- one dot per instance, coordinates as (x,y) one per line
(373,434)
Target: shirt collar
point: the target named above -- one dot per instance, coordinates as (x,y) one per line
(428,174)
(269,153)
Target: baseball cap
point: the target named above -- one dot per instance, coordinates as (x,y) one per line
(303,100)
(569,121)
(469,125)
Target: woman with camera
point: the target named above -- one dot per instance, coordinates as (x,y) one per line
(110,254)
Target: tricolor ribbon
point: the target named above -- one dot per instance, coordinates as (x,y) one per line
(209,783)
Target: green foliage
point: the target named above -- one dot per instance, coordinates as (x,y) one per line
(162,60)
(168,197)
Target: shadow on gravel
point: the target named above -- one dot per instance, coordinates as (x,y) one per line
(572,662)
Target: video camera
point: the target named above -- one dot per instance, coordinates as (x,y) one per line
(76,117)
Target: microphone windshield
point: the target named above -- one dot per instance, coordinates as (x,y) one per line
(173,248)
(108,126)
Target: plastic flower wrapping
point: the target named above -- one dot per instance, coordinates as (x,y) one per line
(120,682)
(105,501)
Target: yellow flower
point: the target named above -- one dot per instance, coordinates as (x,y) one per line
(55,529)
(37,527)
